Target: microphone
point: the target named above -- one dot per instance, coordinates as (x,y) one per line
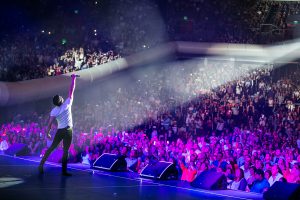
(75,75)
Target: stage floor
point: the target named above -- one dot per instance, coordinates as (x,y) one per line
(19,179)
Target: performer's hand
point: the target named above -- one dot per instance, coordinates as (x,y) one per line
(74,76)
(49,136)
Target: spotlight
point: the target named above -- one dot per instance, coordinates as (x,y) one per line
(63,41)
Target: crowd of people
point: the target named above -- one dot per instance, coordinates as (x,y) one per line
(234,118)
(245,22)
(76,59)
(35,54)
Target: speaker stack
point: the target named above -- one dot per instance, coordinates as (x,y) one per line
(110,162)
(18,149)
(210,180)
(160,170)
(281,191)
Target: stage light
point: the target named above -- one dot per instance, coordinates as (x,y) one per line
(63,41)
(49,33)
(10,181)
(43,31)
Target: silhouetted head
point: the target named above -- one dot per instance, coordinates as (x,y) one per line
(58,100)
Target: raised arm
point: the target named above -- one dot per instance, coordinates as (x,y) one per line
(72,87)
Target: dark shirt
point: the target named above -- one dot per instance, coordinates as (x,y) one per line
(243,184)
(259,186)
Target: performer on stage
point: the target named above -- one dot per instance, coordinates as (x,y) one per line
(63,114)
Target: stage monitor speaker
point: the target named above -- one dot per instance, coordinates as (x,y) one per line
(210,180)
(160,170)
(280,190)
(111,162)
(18,149)
(56,155)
